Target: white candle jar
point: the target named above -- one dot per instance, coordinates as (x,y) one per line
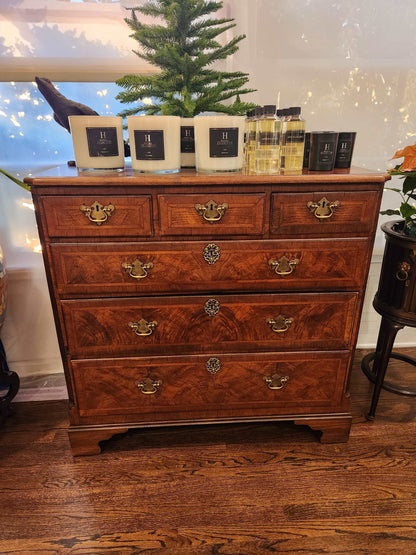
(155,143)
(187,143)
(219,142)
(98,142)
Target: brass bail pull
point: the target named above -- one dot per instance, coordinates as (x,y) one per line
(211,212)
(142,327)
(149,386)
(284,266)
(323,209)
(279,324)
(276,381)
(137,269)
(96,212)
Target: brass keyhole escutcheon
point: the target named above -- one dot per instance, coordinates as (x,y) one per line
(323,209)
(149,386)
(284,266)
(213,365)
(96,212)
(280,324)
(276,381)
(137,269)
(211,211)
(211,253)
(212,307)
(142,327)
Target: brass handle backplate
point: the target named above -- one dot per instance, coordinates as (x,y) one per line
(142,327)
(276,381)
(279,324)
(97,213)
(137,269)
(284,266)
(323,209)
(149,386)
(211,212)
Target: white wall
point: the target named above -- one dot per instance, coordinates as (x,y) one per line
(349,65)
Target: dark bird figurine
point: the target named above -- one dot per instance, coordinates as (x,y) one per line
(62,107)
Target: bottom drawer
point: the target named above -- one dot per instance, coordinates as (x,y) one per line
(207,386)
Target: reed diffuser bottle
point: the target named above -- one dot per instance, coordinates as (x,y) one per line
(293,142)
(267,153)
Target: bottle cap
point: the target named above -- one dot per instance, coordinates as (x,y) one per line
(269,109)
(295,110)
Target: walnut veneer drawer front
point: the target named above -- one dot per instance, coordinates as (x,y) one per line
(212,214)
(324,214)
(82,216)
(192,324)
(159,388)
(135,268)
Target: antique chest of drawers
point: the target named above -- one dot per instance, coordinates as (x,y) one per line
(193,298)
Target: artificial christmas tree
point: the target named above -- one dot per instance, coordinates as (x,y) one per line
(184,49)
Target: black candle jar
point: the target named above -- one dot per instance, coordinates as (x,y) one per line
(345,148)
(323,150)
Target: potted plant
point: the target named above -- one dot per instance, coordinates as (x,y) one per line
(397,287)
(9,381)
(184,47)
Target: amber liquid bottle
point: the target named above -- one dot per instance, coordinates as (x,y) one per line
(293,142)
(267,153)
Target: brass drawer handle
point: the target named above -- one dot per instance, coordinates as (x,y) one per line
(276,381)
(97,213)
(211,212)
(323,209)
(283,266)
(149,386)
(279,324)
(402,273)
(137,269)
(142,327)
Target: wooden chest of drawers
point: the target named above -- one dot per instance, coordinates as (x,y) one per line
(191,298)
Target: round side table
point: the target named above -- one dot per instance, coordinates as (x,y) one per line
(395,301)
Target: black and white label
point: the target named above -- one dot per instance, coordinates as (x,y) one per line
(344,151)
(269,138)
(295,136)
(187,138)
(102,141)
(326,153)
(223,142)
(149,145)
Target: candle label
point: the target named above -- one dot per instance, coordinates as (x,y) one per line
(326,153)
(344,151)
(223,142)
(102,141)
(187,138)
(149,145)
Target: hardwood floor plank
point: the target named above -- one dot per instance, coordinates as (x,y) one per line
(226,489)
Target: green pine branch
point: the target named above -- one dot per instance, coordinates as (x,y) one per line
(183,46)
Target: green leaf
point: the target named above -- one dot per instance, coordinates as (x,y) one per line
(409,184)
(15,180)
(390,212)
(407,211)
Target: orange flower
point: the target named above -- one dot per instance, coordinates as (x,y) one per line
(409,162)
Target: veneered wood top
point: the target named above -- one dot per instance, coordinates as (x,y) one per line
(64,175)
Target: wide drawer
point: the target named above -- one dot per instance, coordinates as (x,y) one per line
(212,214)
(321,214)
(204,386)
(82,216)
(111,269)
(175,325)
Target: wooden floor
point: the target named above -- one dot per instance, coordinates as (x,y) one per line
(235,489)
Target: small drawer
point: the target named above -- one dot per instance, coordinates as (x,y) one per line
(212,214)
(176,325)
(324,214)
(80,216)
(211,385)
(121,269)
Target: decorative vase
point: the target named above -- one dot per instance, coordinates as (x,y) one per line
(9,381)
(396,292)
(155,143)
(219,142)
(98,142)
(187,143)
